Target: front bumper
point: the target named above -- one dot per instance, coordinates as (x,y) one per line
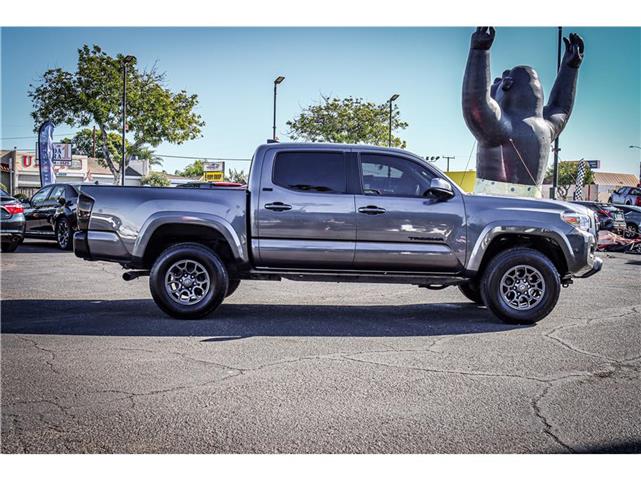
(597,265)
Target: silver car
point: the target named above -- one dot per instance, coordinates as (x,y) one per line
(626,196)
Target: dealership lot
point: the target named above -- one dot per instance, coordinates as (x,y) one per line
(89,364)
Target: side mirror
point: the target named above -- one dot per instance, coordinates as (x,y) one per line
(440,189)
(61,201)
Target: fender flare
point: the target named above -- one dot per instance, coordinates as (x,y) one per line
(208,220)
(496,229)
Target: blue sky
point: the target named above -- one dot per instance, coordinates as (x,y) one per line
(232,70)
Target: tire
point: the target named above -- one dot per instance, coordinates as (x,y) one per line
(628,202)
(9,247)
(207,277)
(234,283)
(631,231)
(502,280)
(64,234)
(471,292)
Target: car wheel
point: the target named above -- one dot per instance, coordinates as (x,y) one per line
(9,247)
(631,230)
(234,283)
(520,286)
(471,292)
(188,280)
(63,234)
(628,202)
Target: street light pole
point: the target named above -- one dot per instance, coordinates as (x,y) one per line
(123,164)
(391,108)
(277,82)
(555,175)
(448,161)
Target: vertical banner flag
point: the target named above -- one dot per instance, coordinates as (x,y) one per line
(45,153)
(580,177)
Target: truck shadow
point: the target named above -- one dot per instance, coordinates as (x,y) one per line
(235,321)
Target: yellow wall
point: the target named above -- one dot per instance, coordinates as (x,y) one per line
(464,179)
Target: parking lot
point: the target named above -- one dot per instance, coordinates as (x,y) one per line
(89,364)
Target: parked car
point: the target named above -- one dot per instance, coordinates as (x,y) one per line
(610,217)
(632,216)
(626,196)
(51,214)
(11,222)
(339,213)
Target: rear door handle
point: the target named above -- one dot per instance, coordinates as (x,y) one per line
(278,206)
(371,210)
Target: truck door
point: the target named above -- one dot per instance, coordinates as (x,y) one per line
(305,213)
(398,227)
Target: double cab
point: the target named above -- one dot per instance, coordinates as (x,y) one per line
(339,213)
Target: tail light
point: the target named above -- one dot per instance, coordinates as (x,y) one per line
(637,202)
(602,211)
(13,208)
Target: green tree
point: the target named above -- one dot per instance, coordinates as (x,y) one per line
(156,179)
(347,120)
(196,169)
(83,145)
(567,176)
(237,176)
(92,95)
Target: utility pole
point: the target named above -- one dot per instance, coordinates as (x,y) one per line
(125,61)
(391,109)
(448,161)
(555,175)
(277,82)
(93,143)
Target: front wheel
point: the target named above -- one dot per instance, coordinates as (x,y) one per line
(63,234)
(9,247)
(521,286)
(188,280)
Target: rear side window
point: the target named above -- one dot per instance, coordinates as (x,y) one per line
(324,172)
(39,197)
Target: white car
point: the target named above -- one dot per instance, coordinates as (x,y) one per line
(626,196)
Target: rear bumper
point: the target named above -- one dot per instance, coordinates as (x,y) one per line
(80,245)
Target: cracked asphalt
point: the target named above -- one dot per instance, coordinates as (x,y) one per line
(89,364)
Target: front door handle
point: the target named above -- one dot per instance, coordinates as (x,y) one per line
(371,210)
(278,206)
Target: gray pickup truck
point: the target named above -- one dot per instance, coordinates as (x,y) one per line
(339,213)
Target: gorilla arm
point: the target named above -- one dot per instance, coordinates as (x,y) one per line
(482,114)
(557,111)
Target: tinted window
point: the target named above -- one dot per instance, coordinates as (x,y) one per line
(311,171)
(389,175)
(58,192)
(40,196)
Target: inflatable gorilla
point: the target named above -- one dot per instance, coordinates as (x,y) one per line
(513,128)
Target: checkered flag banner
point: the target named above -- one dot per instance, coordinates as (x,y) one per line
(580,176)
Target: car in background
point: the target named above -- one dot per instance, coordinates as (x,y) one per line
(50,214)
(609,217)
(11,222)
(626,196)
(632,216)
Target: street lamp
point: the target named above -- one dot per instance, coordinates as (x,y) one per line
(277,82)
(391,100)
(125,62)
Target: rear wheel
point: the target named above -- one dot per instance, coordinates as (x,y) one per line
(63,234)
(188,280)
(471,291)
(9,247)
(521,286)
(631,230)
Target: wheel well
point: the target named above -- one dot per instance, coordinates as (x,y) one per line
(170,234)
(546,246)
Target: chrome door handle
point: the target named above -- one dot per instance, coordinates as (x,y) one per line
(278,206)
(371,210)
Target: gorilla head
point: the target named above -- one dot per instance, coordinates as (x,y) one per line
(519,91)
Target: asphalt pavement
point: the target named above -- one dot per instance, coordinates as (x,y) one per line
(90,364)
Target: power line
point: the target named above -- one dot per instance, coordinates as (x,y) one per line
(35,136)
(204,158)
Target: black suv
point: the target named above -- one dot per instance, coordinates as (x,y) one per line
(51,214)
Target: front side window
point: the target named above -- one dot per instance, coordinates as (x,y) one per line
(58,192)
(40,196)
(393,176)
(324,172)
